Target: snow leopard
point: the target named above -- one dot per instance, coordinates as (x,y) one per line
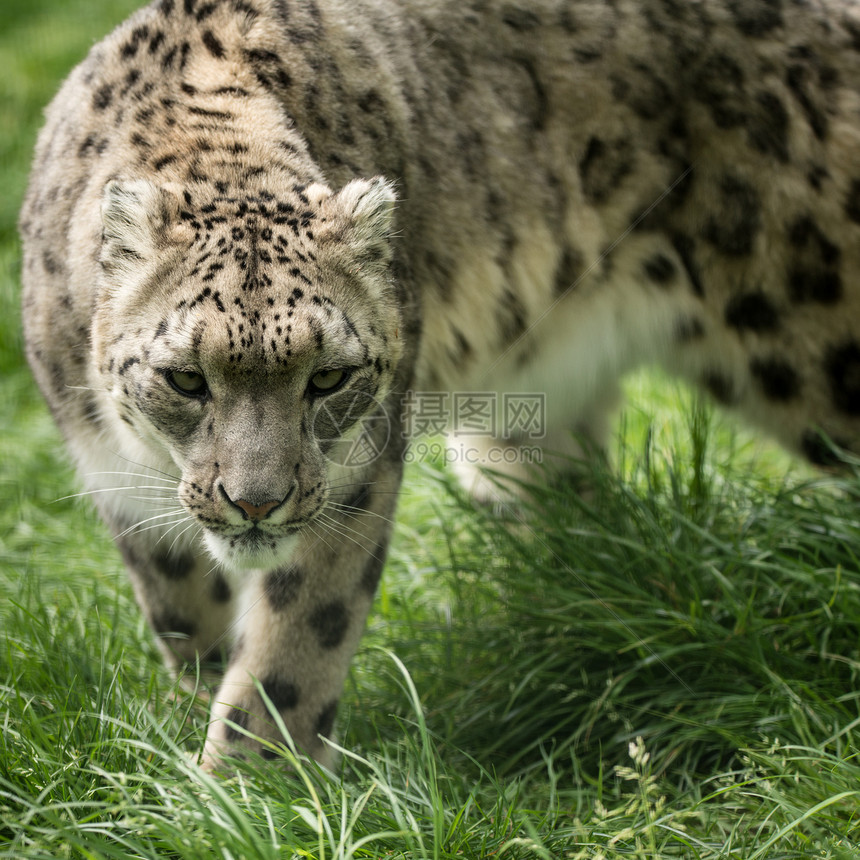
(257,230)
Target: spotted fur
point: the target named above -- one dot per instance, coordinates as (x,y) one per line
(234,201)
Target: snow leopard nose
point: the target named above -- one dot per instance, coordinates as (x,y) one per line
(256,512)
(253,511)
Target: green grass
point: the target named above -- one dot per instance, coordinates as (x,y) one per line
(667,670)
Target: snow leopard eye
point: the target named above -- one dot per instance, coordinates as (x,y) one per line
(187,382)
(328,381)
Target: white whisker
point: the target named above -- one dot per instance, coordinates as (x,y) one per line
(338,527)
(319,536)
(172,513)
(333,528)
(179,535)
(105,490)
(375,489)
(218,565)
(168,480)
(352,510)
(150,470)
(167,526)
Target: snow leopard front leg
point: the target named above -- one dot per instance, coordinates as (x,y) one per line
(299,626)
(187,601)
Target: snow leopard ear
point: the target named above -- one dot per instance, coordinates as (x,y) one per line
(139,220)
(364,209)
